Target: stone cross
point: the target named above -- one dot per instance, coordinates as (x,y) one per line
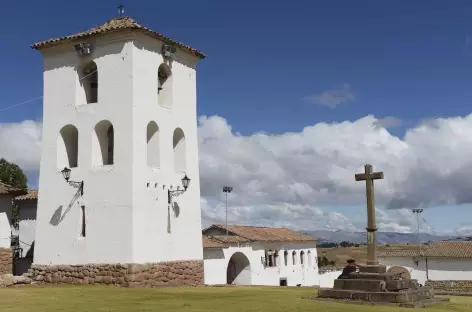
(368,176)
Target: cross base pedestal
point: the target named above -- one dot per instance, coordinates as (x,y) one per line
(374,285)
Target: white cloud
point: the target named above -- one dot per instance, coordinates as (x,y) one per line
(21,143)
(332,98)
(291,179)
(389,122)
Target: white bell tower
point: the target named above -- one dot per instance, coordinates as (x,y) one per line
(120,114)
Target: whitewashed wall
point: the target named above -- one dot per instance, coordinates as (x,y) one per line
(216,263)
(438,269)
(5,220)
(27,225)
(449,269)
(216,260)
(327,278)
(126,202)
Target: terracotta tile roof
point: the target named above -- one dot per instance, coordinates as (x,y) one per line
(32,194)
(6,189)
(255,233)
(450,249)
(115,25)
(221,241)
(446,249)
(209,242)
(398,253)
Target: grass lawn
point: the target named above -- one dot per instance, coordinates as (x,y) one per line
(227,299)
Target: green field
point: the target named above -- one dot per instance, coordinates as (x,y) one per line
(227,299)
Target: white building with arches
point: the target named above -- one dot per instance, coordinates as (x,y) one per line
(120,112)
(251,255)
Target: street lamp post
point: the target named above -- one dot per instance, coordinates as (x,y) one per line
(417,211)
(226,190)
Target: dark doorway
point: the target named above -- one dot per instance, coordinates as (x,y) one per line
(283,282)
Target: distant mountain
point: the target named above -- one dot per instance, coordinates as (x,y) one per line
(383,238)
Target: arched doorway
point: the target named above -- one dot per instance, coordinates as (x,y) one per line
(239,270)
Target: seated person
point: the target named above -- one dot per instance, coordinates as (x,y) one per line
(351,267)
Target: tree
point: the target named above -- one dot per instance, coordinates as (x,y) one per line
(12,174)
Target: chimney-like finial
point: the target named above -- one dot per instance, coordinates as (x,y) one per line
(121,9)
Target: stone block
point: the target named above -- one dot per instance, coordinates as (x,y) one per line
(360,285)
(363,296)
(393,297)
(398,285)
(19,280)
(334,293)
(373,269)
(401,296)
(8,280)
(387,277)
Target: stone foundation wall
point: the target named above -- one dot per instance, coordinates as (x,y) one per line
(451,285)
(6,261)
(172,273)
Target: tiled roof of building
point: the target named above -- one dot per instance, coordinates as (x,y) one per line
(32,194)
(115,25)
(267,234)
(209,242)
(446,249)
(398,253)
(222,241)
(450,249)
(6,189)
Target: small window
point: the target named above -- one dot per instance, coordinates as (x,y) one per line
(68,147)
(179,150)
(103,146)
(89,82)
(302,257)
(294,257)
(153,145)
(309,258)
(286,257)
(82,221)
(270,257)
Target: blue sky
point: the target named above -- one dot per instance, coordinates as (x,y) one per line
(267,61)
(405,59)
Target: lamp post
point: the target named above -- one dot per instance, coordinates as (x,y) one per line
(185,182)
(226,190)
(417,211)
(80,185)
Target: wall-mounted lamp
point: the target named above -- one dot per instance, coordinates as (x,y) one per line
(185,183)
(80,185)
